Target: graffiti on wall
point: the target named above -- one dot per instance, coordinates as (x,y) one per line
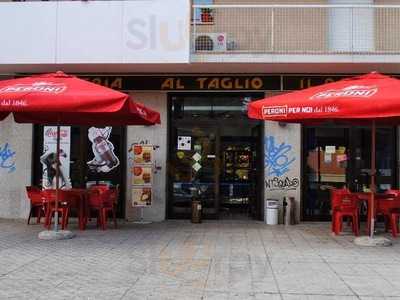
(278,157)
(282,183)
(7,158)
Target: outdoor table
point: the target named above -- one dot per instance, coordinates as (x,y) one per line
(366,197)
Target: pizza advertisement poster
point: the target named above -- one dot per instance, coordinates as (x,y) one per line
(142,175)
(142,154)
(141,196)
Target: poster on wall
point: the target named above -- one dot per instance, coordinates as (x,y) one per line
(48,158)
(142,175)
(141,196)
(184,143)
(143,154)
(104,159)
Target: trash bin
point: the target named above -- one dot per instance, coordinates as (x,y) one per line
(196,205)
(289,211)
(196,211)
(272,210)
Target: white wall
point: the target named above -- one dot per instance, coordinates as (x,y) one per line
(15,170)
(153,135)
(143,31)
(282,146)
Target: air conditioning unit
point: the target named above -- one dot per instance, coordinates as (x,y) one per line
(210,42)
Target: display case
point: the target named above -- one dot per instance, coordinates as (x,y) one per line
(237,174)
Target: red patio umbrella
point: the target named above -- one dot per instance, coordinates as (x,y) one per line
(61,99)
(368,99)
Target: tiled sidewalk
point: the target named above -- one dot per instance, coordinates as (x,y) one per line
(180,260)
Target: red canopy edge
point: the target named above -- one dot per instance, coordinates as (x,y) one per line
(58,98)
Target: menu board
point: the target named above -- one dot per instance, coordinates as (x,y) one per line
(142,154)
(142,175)
(141,196)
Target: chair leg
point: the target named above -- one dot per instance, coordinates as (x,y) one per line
(47,222)
(104,218)
(114,213)
(30,215)
(65,213)
(394,224)
(39,214)
(355,225)
(338,220)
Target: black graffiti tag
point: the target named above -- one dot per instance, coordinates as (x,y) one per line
(285,184)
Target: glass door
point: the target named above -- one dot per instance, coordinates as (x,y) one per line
(325,166)
(341,156)
(194,167)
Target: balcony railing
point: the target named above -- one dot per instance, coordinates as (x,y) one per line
(295,29)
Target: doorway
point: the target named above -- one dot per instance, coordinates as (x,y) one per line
(340,156)
(85,168)
(213,152)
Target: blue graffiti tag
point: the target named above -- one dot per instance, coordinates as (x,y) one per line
(6,158)
(277,161)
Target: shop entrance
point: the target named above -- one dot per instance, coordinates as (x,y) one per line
(214,148)
(341,156)
(90,155)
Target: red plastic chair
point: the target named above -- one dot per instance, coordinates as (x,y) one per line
(344,204)
(63,207)
(384,207)
(103,202)
(394,221)
(37,205)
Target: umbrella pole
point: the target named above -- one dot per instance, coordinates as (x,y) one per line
(57,178)
(373,178)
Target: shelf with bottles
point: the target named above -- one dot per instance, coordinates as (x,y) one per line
(237,163)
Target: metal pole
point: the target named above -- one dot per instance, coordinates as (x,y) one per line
(373,177)
(57,178)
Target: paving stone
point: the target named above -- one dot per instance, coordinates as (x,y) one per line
(180,260)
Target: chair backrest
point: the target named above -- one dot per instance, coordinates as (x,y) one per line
(100,187)
(395,193)
(34,194)
(115,194)
(343,198)
(100,197)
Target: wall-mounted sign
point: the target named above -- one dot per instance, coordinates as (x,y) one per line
(141,196)
(184,143)
(48,158)
(187,83)
(142,154)
(104,159)
(142,175)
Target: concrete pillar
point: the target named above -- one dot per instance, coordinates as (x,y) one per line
(153,135)
(351,29)
(15,168)
(282,146)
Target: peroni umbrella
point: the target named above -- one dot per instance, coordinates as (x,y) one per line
(58,98)
(368,99)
